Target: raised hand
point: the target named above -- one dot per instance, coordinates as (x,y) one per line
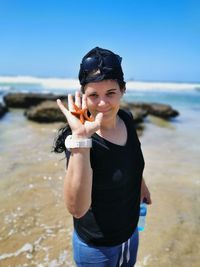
(76,115)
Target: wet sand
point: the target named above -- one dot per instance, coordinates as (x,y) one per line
(35,227)
(172,234)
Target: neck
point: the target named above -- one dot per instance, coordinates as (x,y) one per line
(110,125)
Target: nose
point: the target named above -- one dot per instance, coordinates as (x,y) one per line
(102,102)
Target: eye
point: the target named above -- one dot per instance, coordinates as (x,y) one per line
(111,93)
(93,95)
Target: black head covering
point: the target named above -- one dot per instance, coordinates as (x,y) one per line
(100,64)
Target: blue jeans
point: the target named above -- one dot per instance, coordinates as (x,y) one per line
(123,255)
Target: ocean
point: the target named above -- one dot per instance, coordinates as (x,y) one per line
(35,227)
(181,94)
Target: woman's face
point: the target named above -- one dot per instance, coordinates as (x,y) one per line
(103,96)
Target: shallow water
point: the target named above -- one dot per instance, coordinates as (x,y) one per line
(35,227)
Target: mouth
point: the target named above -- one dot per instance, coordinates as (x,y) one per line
(103,111)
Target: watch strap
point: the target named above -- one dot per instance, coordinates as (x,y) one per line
(71,142)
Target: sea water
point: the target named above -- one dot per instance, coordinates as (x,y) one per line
(187,95)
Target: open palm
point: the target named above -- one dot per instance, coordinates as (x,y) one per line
(78,128)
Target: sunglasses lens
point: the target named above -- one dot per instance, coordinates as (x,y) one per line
(90,63)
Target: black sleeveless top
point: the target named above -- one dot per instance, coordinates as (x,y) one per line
(117,176)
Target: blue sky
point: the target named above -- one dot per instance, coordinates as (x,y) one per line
(158,39)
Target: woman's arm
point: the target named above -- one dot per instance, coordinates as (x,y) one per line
(78,182)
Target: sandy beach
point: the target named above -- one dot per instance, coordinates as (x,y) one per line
(35,227)
(172,235)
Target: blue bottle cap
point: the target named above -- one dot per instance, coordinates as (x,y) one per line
(143,209)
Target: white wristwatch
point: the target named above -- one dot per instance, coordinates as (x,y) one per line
(77,143)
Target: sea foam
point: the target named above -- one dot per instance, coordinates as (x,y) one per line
(66,83)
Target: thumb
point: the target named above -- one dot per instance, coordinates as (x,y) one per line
(99,118)
(95,125)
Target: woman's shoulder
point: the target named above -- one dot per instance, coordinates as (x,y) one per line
(128,119)
(125,114)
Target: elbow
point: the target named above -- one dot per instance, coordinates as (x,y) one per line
(76,203)
(78,215)
(77,212)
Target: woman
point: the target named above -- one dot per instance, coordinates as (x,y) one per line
(103,185)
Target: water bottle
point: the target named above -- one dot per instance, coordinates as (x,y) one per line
(143,212)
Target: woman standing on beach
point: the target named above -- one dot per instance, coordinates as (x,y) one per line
(103,185)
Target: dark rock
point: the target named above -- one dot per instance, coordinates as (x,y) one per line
(47,111)
(3,109)
(160,110)
(139,109)
(138,113)
(140,127)
(26,100)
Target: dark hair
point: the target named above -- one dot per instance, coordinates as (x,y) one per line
(59,141)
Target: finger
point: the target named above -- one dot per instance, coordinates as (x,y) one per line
(62,107)
(98,119)
(70,103)
(149,200)
(78,99)
(148,197)
(84,101)
(95,125)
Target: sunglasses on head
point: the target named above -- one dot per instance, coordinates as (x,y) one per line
(98,62)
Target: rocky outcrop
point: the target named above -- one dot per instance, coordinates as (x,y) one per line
(160,110)
(47,111)
(43,107)
(138,113)
(3,110)
(139,109)
(26,100)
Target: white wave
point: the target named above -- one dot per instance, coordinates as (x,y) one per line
(65,83)
(50,83)
(5,88)
(26,248)
(161,86)
(144,262)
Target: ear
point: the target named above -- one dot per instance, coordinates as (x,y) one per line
(123,90)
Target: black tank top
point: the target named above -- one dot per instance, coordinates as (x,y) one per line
(117,175)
